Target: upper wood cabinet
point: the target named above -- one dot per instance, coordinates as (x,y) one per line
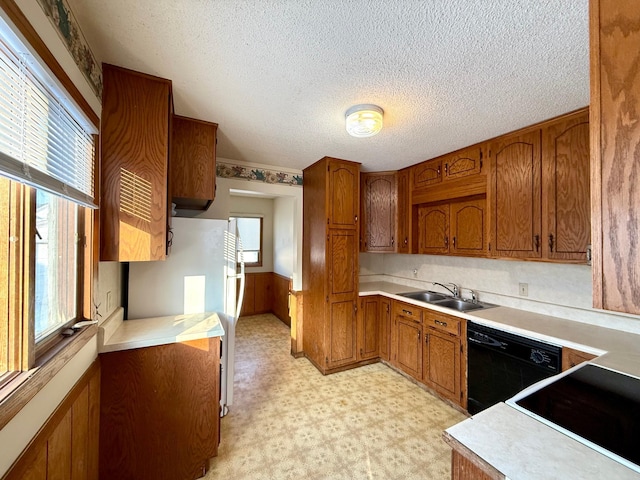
(455,165)
(404,241)
(433,229)
(566,195)
(516,193)
(193,163)
(615,142)
(379,212)
(457,228)
(134,147)
(343,182)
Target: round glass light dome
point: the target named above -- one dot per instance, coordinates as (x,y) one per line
(364,120)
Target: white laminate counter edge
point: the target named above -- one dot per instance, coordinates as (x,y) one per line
(117,334)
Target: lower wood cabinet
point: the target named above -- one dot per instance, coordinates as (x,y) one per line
(160,411)
(384,313)
(443,368)
(465,468)
(571,357)
(406,339)
(369,328)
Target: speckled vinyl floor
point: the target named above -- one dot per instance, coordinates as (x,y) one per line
(290,422)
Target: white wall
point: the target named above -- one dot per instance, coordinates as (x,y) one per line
(560,290)
(284,246)
(17,434)
(222,206)
(109,289)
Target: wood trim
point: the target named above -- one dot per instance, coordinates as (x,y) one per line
(596,153)
(17,393)
(296,314)
(20,21)
(452,189)
(33,450)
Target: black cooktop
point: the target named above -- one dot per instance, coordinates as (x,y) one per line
(597,404)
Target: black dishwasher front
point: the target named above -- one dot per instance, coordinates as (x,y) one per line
(501,364)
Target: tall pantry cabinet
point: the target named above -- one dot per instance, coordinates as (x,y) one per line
(330,262)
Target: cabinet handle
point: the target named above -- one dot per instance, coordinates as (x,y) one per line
(438,322)
(418,336)
(392,241)
(446,168)
(356,218)
(454,242)
(407,312)
(446,242)
(438,170)
(406,240)
(536,241)
(551,242)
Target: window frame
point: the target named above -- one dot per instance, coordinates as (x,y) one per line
(260,252)
(17,388)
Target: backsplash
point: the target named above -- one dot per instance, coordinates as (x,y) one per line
(561,290)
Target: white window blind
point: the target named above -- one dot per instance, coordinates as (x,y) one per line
(41,143)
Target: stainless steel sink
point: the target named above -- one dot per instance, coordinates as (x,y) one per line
(447,301)
(427,296)
(459,304)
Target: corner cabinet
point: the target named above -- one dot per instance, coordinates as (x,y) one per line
(134,145)
(615,142)
(193,163)
(331,199)
(379,212)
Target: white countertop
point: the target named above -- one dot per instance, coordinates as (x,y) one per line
(116,334)
(523,448)
(517,445)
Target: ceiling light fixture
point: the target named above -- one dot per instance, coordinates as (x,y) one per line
(364,120)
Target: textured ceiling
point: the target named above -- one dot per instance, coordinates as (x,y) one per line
(278,75)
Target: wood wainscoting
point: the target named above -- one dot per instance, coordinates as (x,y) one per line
(66,447)
(267,292)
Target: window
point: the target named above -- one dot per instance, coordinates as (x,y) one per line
(46,198)
(250,231)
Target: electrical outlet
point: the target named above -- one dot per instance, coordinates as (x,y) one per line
(109,301)
(523,289)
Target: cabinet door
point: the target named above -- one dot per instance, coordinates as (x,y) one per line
(193,163)
(403,238)
(134,148)
(379,208)
(427,173)
(468,228)
(567,193)
(384,314)
(516,192)
(462,163)
(409,348)
(433,229)
(341,334)
(369,328)
(442,363)
(342,259)
(615,101)
(340,339)
(344,194)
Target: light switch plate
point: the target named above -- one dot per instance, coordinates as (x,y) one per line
(523,289)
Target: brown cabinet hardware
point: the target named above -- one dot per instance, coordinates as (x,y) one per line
(551,242)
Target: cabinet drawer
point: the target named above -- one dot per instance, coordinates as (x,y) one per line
(442,322)
(410,312)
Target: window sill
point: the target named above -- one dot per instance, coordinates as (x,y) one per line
(25,385)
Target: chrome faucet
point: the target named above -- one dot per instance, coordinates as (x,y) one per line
(474,294)
(454,291)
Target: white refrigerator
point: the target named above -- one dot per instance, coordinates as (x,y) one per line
(199,275)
